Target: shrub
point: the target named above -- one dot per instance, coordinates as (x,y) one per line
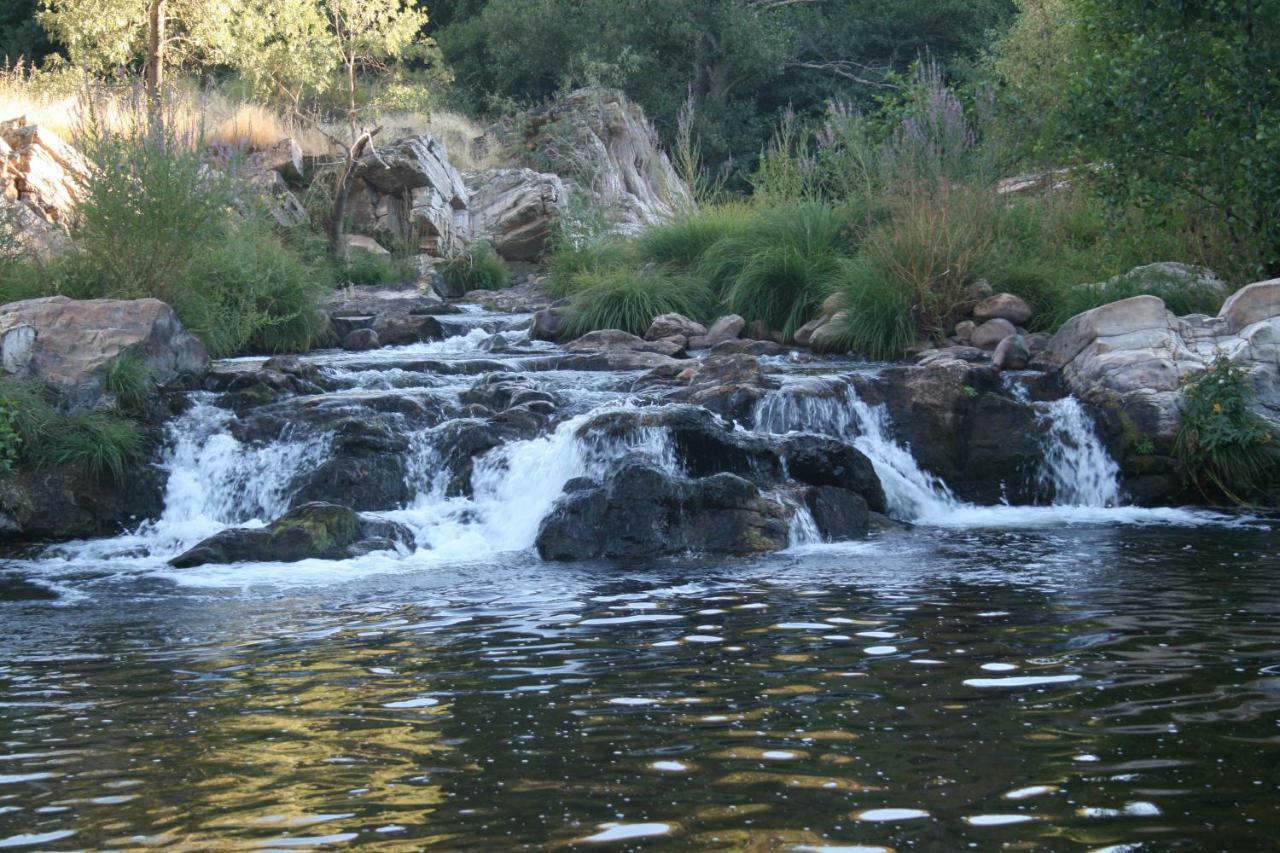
(155,222)
(368,268)
(629,299)
(877,322)
(10,438)
(101,443)
(1221,441)
(479,269)
(574,263)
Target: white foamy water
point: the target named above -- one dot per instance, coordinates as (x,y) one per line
(1085,479)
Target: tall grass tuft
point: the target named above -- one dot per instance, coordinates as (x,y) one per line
(39,436)
(478,269)
(780,269)
(629,299)
(128,379)
(684,241)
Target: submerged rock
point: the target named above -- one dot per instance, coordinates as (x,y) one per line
(839,514)
(314,531)
(641,512)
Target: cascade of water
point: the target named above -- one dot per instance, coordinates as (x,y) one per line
(515,486)
(838,412)
(1076,465)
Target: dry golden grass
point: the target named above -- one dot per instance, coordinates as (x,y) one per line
(59,106)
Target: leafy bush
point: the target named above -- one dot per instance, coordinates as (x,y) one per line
(155,222)
(1221,441)
(479,269)
(368,268)
(10,438)
(629,299)
(574,264)
(877,321)
(683,241)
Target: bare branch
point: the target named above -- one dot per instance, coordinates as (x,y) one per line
(855,71)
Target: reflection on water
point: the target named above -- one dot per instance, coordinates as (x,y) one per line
(1070,689)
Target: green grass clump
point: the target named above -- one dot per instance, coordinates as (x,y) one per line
(1222,442)
(779,271)
(128,379)
(39,436)
(368,268)
(479,269)
(683,241)
(629,299)
(877,322)
(572,264)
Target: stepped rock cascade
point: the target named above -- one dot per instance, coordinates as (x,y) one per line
(478,444)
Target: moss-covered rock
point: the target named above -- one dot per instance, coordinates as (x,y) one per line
(313,531)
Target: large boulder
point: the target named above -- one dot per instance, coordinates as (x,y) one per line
(964,426)
(839,514)
(616,339)
(1131,358)
(673,325)
(315,531)
(41,180)
(641,512)
(727,328)
(1003,306)
(71,344)
(825,462)
(516,210)
(410,192)
(68,502)
(600,141)
(989,335)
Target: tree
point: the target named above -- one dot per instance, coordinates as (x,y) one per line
(21,36)
(1180,100)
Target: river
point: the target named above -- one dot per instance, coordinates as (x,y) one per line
(1082,675)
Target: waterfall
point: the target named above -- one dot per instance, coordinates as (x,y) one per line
(837,411)
(1076,465)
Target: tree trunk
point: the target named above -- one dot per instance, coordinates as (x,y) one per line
(154,71)
(342,192)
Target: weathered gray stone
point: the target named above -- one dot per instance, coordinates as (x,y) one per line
(989,335)
(516,210)
(725,329)
(669,325)
(1003,306)
(69,344)
(1012,353)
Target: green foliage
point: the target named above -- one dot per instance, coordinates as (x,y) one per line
(39,436)
(1182,101)
(1224,444)
(573,265)
(368,268)
(479,269)
(682,242)
(629,298)
(781,269)
(877,322)
(10,438)
(128,379)
(155,223)
(101,443)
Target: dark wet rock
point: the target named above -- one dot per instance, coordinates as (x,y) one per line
(498,391)
(314,531)
(744,346)
(550,324)
(956,353)
(363,482)
(839,514)
(674,325)
(818,461)
(360,340)
(725,329)
(1013,353)
(68,502)
(729,385)
(612,359)
(17,588)
(641,512)
(616,340)
(963,425)
(371,411)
